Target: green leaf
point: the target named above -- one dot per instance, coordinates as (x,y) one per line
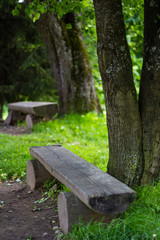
(36,17)
(19,6)
(69,26)
(79,19)
(15,12)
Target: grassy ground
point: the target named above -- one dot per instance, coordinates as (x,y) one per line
(140,222)
(85,135)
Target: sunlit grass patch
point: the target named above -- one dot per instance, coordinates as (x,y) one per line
(85,135)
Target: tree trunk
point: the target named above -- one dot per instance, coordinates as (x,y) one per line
(123,118)
(1,109)
(70,64)
(150,91)
(2,98)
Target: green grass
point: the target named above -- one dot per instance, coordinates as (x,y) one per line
(140,222)
(85,135)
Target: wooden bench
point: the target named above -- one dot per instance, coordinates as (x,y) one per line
(30,110)
(94,193)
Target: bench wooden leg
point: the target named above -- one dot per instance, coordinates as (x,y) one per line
(36,174)
(29,120)
(11,118)
(71,210)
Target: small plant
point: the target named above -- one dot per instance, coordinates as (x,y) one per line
(29,237)
(53,184)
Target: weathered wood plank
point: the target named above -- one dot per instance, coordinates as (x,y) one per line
(41,109)
(97,189)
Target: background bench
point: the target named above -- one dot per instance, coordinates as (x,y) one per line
(94,193)
(20,110)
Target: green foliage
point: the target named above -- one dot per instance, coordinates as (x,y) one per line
(5,112)
(37,7)
(87,17)
(16,11)
(134,15)
(73,132)
(25,68)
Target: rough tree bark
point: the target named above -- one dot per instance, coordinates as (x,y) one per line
(70,64)
(123,118)
(150,91)
(133,128)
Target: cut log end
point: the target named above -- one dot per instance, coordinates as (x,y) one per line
(71,210)
(114,204)
(36,174)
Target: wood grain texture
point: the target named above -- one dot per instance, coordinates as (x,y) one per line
(36,174)
(29,121)
(97,189)
(41,109)
(71,210)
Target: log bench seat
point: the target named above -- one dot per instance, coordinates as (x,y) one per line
(94,193)
(30,110)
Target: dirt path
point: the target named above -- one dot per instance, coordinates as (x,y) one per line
(21,216)
(13,130)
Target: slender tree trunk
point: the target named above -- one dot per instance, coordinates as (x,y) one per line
(150,91)
(1,109)
(70,64)
(123,118)
(1,100)
(2,84)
